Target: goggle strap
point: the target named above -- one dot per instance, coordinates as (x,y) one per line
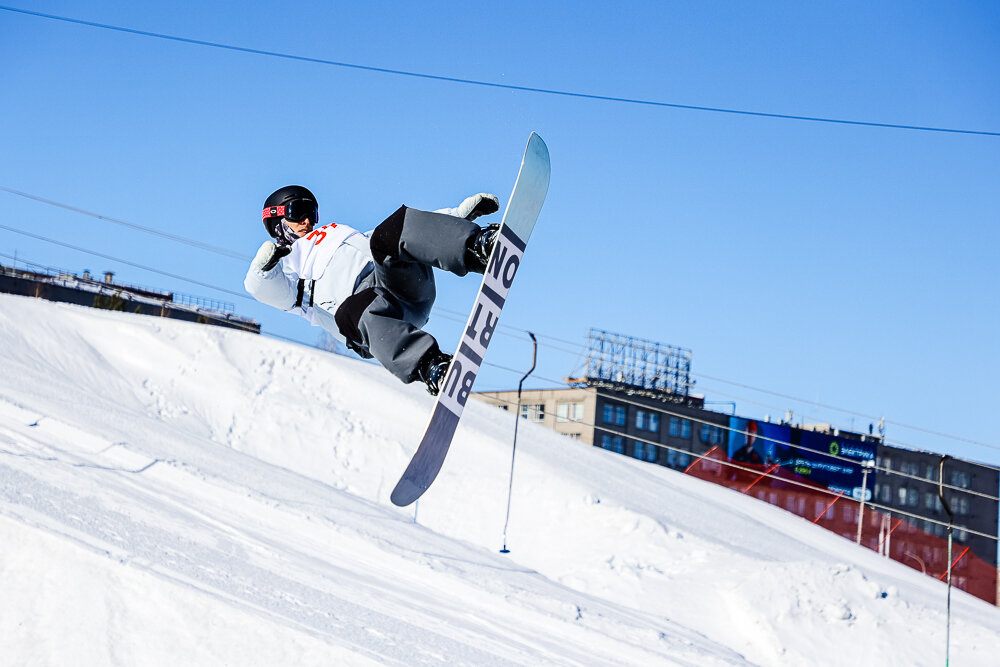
(273,212)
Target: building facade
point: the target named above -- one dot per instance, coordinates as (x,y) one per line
(567,411)
(84,290)
(805,469)
(665,431)
(913,489)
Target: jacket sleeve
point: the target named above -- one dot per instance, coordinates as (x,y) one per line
(271,287)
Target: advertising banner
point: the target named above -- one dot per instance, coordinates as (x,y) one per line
(826,460)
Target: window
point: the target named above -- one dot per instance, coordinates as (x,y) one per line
(711,435)
(613,444)
(960,479)
(677,459)
(644,451)
(533,411)
(614,414)
(932,502)
(647,421)
(569,412)
(680,428)
(912,498)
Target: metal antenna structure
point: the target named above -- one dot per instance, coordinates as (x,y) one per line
(617,359)
(517,420)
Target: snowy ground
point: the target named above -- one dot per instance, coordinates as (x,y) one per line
(180,494)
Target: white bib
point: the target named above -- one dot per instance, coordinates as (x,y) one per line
(312,253)
(324,282)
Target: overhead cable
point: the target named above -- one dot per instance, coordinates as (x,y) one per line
(149,230)
(489,84)
(175,276)
(449,314)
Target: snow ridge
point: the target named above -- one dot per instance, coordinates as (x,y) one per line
(180,494)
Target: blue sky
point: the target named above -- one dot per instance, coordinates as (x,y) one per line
(844,265)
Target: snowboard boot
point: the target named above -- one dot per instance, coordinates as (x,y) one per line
(481,245)
(433,369)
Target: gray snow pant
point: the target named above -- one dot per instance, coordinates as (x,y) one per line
(382,319)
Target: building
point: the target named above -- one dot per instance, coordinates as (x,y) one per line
(567,411)
(667,430)
(913,488)
(818,472)
(85,290)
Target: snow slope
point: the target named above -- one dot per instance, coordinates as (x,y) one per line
(180,494)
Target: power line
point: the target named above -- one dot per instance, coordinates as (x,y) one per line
(847,411)
(489,84)
(616,398)
(241,295)
(806,485)
(124,290)
(787,444)
(504,329)
(149,230)
(888,442)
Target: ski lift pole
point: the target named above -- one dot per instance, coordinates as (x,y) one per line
(951,521)
(517,419)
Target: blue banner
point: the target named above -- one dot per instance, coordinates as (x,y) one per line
(824,459)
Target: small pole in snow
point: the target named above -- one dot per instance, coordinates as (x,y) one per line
(867,465)
(951,520)
(517,419)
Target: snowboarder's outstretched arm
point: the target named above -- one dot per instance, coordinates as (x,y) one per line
(267,282)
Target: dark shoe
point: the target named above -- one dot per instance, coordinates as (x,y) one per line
(433,370)
(482,244)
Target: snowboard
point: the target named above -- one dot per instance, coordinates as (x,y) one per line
(518,221)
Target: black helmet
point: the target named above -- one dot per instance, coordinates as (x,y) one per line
(293,202)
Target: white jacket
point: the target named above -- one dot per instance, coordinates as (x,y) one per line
(323,268)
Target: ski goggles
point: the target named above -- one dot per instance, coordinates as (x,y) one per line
(295,210)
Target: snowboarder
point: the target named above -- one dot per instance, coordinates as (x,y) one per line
(372,291)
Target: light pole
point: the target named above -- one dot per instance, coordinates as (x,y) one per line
(951,521)
(866,466)
(517,420)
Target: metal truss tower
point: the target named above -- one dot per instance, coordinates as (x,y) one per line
(620,360)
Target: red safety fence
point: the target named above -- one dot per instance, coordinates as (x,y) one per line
(899,538)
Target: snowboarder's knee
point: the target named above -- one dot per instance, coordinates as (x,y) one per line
(348,315)
(385,239)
